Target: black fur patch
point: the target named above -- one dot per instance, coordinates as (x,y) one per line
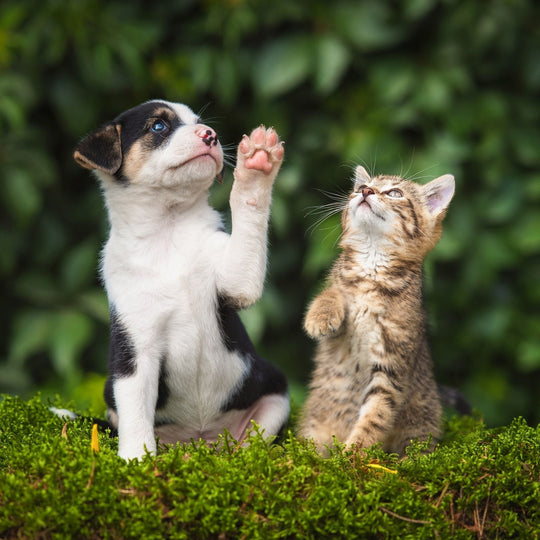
(233,332)
(163,390)
(108,394)
(101,150)
(262,378)
(121,357)
(121,350)
(453,398)
(136,125)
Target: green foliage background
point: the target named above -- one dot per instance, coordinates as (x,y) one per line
(419,87)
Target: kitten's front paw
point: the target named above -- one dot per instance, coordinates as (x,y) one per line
(261,152)
(324,319)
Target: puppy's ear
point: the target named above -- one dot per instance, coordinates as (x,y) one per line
(101,150)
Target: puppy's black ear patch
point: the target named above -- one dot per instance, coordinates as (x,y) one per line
(101,150)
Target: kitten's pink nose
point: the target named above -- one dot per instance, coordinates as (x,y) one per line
(208,135)
(367,191)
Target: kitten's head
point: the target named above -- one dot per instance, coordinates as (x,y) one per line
(398,215)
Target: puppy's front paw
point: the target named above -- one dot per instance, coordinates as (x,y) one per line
(261,152)
(136,450)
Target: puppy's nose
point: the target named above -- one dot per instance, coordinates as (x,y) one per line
(208,135)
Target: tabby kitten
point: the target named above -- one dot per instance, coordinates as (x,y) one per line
(373,380)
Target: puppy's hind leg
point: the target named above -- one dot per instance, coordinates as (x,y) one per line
(270,412)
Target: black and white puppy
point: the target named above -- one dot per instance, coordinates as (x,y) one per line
(181,363)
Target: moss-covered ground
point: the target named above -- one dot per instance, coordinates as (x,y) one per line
(479,483)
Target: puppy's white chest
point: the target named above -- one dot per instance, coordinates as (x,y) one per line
(166,292)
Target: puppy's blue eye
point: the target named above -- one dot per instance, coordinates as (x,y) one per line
(159,126)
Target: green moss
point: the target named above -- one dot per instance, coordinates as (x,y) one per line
(478,483)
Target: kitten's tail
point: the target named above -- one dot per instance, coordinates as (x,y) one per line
(70,415)
(454,399)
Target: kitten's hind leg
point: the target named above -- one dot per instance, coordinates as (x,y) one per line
(326,314)
(321,434)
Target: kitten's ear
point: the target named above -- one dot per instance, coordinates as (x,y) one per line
(361,176)
(101,150)
(439,193)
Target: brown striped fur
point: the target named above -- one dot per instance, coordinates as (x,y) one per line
(373,380)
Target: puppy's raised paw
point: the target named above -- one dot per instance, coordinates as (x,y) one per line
(261,152)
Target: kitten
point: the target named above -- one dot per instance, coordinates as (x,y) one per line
(373,380)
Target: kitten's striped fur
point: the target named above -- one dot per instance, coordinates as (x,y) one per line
(373,379)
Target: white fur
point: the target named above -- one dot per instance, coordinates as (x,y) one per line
(63,413)
(162,265)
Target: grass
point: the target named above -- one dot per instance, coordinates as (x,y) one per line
(479,483)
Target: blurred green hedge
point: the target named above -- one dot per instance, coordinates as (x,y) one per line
(417,87)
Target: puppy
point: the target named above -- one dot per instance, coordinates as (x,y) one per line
(181,364)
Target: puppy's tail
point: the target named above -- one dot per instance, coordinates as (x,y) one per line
(454,399)
(66,414)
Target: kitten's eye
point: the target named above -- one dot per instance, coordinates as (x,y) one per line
(394,193)
(159,126)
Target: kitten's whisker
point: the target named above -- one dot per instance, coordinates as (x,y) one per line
(331,231)
(325,215)
(334,206)
(311,229)
(418,175)
(335,195)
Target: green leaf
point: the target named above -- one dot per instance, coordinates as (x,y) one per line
(323,246)
(21,198)
(282,65)
(202,65)
(14,379)
(71,332)
(332,60)
(79,267)
(254,321)
(394,80)
(37,288)
(227,75)
(8,248)
(95,303)
(526,233)
(31,331)
(280,216)
(528,356)
(368,24)
(414,9)
(526,142)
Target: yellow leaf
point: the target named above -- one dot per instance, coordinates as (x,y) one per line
(381,468)
(94,444)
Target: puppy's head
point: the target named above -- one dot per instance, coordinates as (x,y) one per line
(158,144)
